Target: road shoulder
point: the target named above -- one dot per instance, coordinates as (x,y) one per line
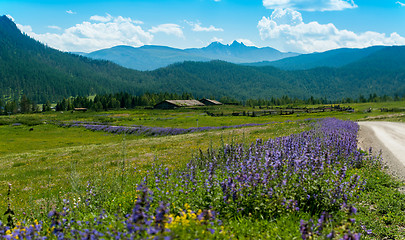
(367,138)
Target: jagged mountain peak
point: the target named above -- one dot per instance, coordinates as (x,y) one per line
(215,44)
(234,44)
(237,44)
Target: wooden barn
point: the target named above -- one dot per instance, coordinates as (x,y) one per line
(172,104)
(210,102)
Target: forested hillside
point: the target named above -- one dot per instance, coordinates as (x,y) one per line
(333,58)
(42,73)
(244,82)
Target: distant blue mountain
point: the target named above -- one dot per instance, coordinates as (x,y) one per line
(145,57)
(150,57)
(387,59)
(333,58)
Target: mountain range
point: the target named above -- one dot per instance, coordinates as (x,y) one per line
(150,57)
(42,73)
(333,58)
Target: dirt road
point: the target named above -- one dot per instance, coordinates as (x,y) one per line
(389,137)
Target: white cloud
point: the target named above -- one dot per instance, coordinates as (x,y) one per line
(55,27)
(198,28)
(310,5)
(70,12)
(286,16)
(215,39)
(10,17)
(287,31)
(217,0)
(168,28)
(87,36)
(137,22)
(108,18)
(247,42)
(101,18)
(400,3)
(25,28)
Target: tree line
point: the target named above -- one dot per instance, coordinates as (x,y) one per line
(285,100)
(117,101)
(103,102)
(128,101)
(22,105)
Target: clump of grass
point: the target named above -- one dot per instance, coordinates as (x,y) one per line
(9,213)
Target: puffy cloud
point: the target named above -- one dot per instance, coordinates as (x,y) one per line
(88,36)
(55,27)
(108,18)
(70,12)
(25,28)
(286,16)
(137,22)
(310,5)
(168,28)
(198,28)
(215,39)
(288,32)
(10,17)
(101,18)
(400,3)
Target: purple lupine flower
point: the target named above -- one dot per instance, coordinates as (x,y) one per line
(352,210)
(305,230)
(331,235)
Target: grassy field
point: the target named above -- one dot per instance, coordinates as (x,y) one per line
(46,163)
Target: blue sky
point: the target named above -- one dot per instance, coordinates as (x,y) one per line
(287,25)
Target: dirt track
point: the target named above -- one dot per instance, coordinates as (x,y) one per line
(389,137)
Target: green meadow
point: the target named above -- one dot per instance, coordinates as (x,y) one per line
(46,163)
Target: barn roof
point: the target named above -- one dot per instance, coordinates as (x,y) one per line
(80,109)
(185,103)
(215,102)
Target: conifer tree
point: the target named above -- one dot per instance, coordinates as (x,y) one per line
(46,107)
(25,104)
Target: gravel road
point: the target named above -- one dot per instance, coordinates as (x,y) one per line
(389,137)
